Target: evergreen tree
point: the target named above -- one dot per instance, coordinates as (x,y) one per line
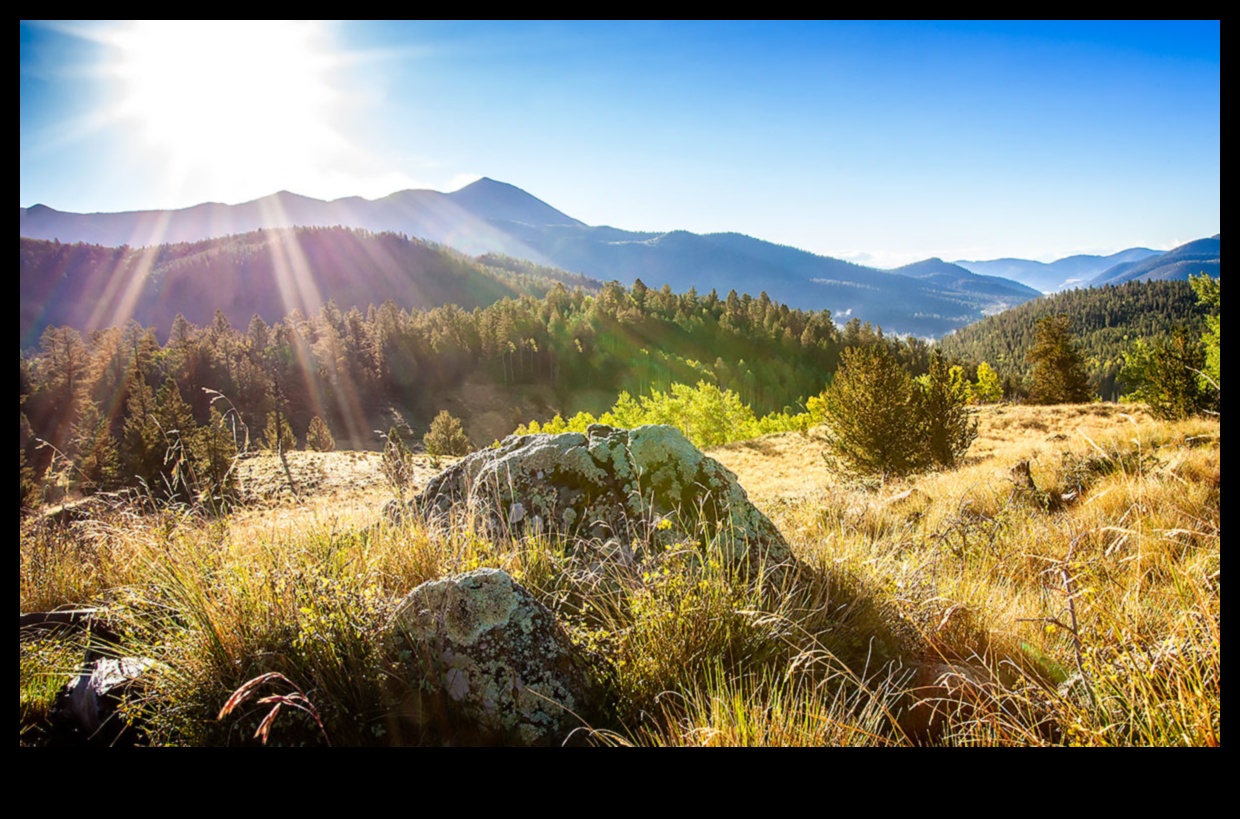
(94,451)
(948,428)
(278,435)
(143,447)
(319,436)
(1059,375)
(1209,292)
(213,451)
(871,413)
(446,437)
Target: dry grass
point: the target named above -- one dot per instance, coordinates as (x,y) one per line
(956,607)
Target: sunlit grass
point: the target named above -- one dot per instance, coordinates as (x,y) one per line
(936,610)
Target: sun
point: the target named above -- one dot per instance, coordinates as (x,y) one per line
(229,105)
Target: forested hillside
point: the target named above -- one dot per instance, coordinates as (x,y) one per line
(352,368)
(1105,322)
(264,272)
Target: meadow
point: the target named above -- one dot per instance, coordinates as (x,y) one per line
(1060,586)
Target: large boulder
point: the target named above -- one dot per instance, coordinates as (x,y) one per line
(493,661)
(646,489)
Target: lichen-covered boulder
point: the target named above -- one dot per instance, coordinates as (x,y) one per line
(494,658)
(646,488)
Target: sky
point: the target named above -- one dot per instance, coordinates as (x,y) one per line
(878,142)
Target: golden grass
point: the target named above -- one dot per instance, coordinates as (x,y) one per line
(957,607)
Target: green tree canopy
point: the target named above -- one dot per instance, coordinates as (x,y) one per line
(1059,375)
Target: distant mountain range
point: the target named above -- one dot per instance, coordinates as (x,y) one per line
(1051,277)
(1177,264)
(494,217)
(928,298)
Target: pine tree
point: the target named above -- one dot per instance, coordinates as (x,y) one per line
(871,413)
(948,428)
(278,434)
(446,437)
(142,448)
(213,450)
(1209,292)
(1164,374)
(319,436)
(1059,375)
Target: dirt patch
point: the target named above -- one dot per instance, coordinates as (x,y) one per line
(262,480)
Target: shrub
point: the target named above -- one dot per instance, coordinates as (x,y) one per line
(1164,374)
(948,428)
(880,421)
(446,436)
(397,464)
(871,411)
(319,436)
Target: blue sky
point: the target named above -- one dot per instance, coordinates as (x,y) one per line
(879,142)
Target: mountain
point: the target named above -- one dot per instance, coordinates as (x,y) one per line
(1071,271)
(265,272)
(461,219)
(1200,256)
(494,217)
(946,274)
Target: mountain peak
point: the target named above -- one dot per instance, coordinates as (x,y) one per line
(491,199)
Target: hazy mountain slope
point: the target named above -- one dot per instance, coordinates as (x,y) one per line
(267,272)
(460,219)
(946,274)
(1190,259)
(494,217)
(1072,271)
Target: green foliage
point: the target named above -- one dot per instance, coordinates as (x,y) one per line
(319,436)
(989,387)
(214,453)
(1164,374)
(872,410)
(1103,320)
(1058,368)
(94,451)
(948,428)
(881,422)
(1209,292)
(27,485)
(707,415)
(446,437)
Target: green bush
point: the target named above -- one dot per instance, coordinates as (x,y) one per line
(871,410)
(880,421)
(1164,374)
(446,437)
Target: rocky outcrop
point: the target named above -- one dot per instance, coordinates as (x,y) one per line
(493,658)
(647,489)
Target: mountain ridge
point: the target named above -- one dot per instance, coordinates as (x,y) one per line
(489,216)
